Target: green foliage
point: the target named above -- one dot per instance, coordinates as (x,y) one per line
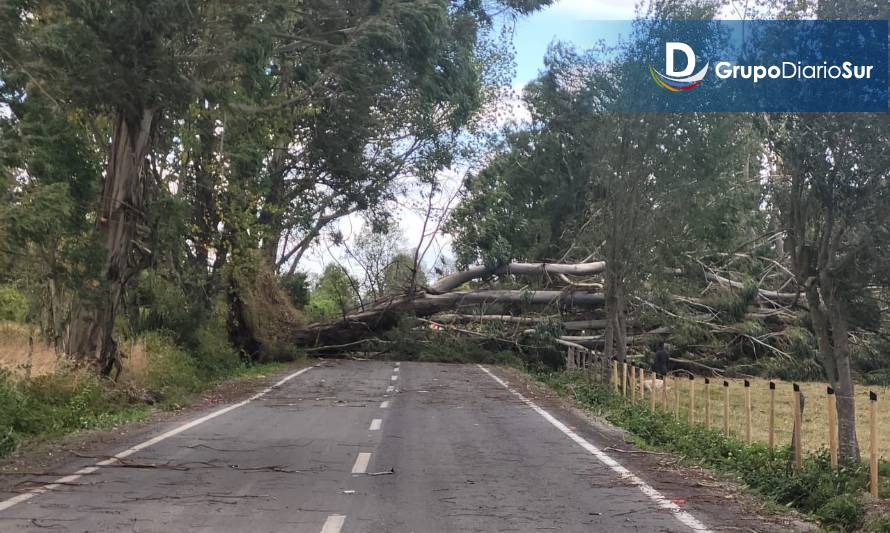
(843,512)
(333,295)
(171,372)
(49,406)
(13,304)
(816,488)
(297,288)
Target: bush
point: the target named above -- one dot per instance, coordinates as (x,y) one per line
(55,404)
(841,513)
(171,372)
(13,304)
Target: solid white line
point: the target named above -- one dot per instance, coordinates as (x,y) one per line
(361,463)
(390,388)
(6,504)
(375,424)
(681,515)
(384,405)
(394,378)
(333,524)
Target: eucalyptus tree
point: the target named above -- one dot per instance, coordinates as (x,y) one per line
(639,190)
(832,188)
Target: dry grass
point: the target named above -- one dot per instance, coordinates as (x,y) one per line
(815,417)
(14,348)
(15,351)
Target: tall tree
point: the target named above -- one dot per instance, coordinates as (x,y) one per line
(832,189)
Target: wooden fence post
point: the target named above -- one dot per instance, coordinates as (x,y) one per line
(726,408)
(873,433)
(652,391)
(615,374)
(748,411)
(624,379)
(772,415)
(676,399)
(642,384)
(831,405)
(664,392)
(707,403)
(796,442)
(633,383)
(691,399)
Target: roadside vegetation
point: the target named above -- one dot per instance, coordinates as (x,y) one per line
(835,498)
(44,396)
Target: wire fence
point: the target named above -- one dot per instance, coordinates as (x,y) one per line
(775,412)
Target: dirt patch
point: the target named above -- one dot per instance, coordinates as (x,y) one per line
(47,458)
(724,504)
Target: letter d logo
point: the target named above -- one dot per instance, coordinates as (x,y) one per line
(670,51)
(678,80)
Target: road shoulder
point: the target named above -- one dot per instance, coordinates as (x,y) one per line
(721,503)
(43,460)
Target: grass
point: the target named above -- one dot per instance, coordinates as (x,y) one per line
(158,374)
(17,354)
(832,497)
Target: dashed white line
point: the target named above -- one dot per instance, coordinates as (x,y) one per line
(6,504)
(361,463)
(390,388)
(659,499)
(375,424)
(396,369)
(397,364)
(384,404)
(394,378)
(333,524)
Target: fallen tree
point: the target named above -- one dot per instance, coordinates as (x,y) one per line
(384,314)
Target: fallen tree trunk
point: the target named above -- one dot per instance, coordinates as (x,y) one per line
(469,319)
(384,314)
(784,297)
(453,281)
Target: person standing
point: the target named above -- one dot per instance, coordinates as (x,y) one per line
(661,360)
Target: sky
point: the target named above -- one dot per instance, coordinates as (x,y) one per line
(573,21)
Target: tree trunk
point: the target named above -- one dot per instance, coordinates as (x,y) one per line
(848,444)
(385,313)
(91,333)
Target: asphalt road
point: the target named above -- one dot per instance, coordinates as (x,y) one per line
(360,446)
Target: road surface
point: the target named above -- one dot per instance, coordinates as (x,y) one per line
(362,446)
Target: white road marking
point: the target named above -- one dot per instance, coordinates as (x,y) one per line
(396,369)
(333,524)
(394,378)
(397,364)
(15,500)
(384,404)
(375,424)
(361,463)
(390,388)
(659,499)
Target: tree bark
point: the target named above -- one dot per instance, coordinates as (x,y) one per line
(91,332)
(385,313)
(453,281)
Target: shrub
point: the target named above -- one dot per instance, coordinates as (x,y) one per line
(13,304)
(171,372)
(841,513)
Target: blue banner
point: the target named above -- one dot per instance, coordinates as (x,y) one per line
(725,66)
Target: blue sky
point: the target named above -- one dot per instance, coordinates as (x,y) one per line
(572,21)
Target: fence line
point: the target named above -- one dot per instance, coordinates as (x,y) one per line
(632,383)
